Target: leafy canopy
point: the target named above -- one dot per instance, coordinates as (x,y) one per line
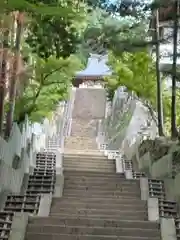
(49,85)
(135,71)
(105,31)
(58,34)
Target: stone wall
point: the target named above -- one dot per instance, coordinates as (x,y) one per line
(161,161)
(18,153)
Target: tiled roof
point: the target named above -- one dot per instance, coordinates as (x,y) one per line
(96,67)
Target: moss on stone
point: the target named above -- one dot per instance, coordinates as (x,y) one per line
(158,147)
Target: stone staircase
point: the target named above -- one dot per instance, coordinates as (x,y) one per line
(89,107)
(40,183)
(84,162)
(97,204)
(80,143)
(89,103)
(89,127)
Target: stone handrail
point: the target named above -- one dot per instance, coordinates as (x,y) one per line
(69,111)
(62,128)
(112,129)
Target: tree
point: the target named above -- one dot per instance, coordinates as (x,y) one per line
(105,32)
(110,30)
(41,11)
(120,7)
(14,77)
(60,35)
(158,77)
(49,85)
(5,28)
(174,132)
(123,8)
(135,71)
(167,110)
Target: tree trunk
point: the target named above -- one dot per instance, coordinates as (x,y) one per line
(174,132)
(3,76)
(159,85)
(12,90)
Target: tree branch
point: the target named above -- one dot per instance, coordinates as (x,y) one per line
(53,71)
(51,83)
(150,109)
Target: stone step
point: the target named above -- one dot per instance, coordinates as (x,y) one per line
(100,181)
(88,132)
(49,236)
(84,167)
(93,169)
(108,197)
(89,127)
(102,190)
(77,205)
(89,195)
(99,186)
(95,231)
(80,146)
(87,154)
(90,222)
(89,104)
(92,175)
(94,156)
(83,145)
(81,153)
(95,192)
(89,161)
(80,138)
(100,200)
(95,182)
(80,143)
(101,212)
(102,216)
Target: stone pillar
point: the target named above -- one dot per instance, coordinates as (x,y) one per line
(45,205)
(168,229)
(153,209)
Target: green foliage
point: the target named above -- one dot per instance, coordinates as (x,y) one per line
(110,91)
(105,31)
(57,34)
(49,85)
(135,71)
(48,8)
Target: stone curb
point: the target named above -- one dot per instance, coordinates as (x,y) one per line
(168,229)
(18,227)
(153,209)
(144,187)
(45,205)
